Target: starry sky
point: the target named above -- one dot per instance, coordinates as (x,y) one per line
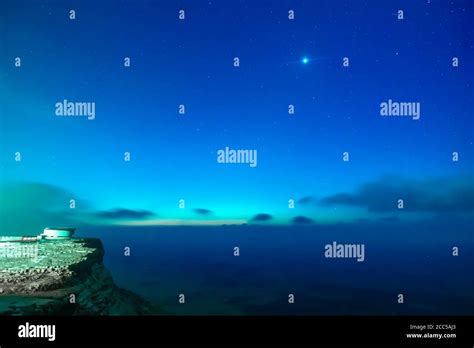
(190,62)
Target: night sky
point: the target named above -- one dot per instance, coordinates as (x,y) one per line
(191,62)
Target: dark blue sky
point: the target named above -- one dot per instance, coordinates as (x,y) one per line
(190,62)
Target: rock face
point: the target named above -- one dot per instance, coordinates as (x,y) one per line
(62,277)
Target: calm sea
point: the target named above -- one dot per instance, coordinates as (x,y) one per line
(415,260)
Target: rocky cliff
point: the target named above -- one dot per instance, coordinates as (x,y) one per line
(62,277)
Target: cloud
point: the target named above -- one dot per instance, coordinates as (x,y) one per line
(262,217)
(302,220)
(122,213)
(306,200)
(441,195)
(361,220)
(201,211)
(388,219)
(26,208)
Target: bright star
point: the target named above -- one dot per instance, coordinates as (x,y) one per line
(305,60)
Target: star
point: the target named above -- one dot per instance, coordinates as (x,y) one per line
(305,60)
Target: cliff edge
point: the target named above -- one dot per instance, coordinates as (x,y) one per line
(62,277)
